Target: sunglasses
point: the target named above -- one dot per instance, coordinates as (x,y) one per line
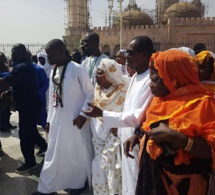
(131,51)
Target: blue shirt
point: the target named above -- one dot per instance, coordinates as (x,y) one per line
(23,81)
(4,74)
(42,87)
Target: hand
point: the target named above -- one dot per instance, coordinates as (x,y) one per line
(114,131)
(129,144)
(79,121)
(94,111)
(160,134)
(139,132)
(47,127)
(168,138)
(5,95)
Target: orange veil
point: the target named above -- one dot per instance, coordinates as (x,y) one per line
(189,108)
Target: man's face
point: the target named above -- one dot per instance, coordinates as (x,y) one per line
(52,56)
(42,60)
(204,70)
(133,56)
(82,45)
(89,44)
(14,54)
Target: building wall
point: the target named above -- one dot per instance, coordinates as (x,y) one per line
(192,29)
(178,32)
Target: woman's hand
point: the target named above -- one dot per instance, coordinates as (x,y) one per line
(129,144)
(163,133)
(160,134)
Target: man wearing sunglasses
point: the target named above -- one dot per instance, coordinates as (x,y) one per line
(137,99)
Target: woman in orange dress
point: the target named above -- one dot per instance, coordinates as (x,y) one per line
(177,152)
(206,63)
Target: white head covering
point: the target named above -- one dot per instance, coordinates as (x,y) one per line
(113,72)
(123,52)
(113,98)
(44,55)
(213,54)
(41,54)
(187,50)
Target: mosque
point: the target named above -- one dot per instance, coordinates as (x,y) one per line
(175,23)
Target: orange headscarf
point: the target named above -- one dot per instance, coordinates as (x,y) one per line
(189,108)
(200,57)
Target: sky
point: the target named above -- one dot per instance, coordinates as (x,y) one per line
(38,21)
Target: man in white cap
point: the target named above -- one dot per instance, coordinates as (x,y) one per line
(42,62)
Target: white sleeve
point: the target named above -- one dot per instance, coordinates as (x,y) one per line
(84,63)
(51,92)
(87,88)
(129,118)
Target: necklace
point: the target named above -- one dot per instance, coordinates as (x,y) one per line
(92,65)
(58,91)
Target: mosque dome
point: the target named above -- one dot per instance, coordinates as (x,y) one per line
(180,10)
(133,18)
(199,5)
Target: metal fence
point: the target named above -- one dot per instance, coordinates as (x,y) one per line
(111,49)
(107,48)
(33,47)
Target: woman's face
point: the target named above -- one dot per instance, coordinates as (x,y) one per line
(157,86)
(101,79)
(120,58)
(205,70)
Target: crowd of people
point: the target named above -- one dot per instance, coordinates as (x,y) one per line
(140,124)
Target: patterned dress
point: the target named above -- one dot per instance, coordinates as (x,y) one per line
(106,166)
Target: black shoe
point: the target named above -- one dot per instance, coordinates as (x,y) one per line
(1,152)
(39,193)
(12,127)
(24,168)
(41,152)
(4,129)
(76,191)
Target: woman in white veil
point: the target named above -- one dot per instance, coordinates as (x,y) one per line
(110,91)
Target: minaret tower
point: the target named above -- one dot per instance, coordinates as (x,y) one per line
(132,2)
(77,11)
(77,24)
(161,6)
